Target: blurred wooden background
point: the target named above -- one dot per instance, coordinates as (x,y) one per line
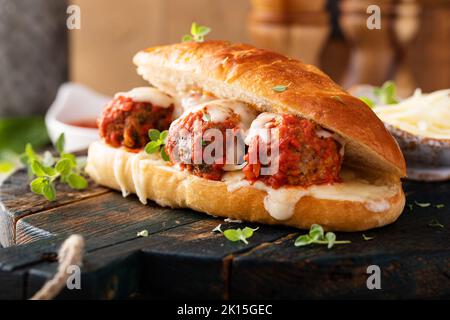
(412,46)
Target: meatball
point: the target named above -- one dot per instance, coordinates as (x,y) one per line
(189,138)
(304,157)
(125,122)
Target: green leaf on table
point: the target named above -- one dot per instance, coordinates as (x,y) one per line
(49,191)
(367,238)
(60,143)
(239,234)
(70,157)
(303,240)
(422,204)
(38,169)
(77,181)
(435,224)
(37,185)
(316,232)
(232,234)
(248,232)
(143,233)
(316,236)
(331,238)
(64,167)
(217,229)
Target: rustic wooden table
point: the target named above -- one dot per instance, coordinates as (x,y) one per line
(182,258)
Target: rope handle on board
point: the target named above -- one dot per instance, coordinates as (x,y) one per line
(70,253)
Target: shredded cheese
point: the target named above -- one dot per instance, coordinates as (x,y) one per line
(426,115)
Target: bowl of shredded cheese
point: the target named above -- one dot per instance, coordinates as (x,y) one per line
(421,125)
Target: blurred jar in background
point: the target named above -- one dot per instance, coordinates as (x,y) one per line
(33,54)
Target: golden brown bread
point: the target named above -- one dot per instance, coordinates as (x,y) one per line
(153,179)
(243,72)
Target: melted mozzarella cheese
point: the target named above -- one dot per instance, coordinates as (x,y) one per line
(135,161)
(148,94)
(194,98)
(426,115)
(280,203)
(136,174)
(120,162)
(259,127)
(220,110)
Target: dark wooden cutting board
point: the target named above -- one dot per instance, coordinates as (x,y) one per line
(182,258)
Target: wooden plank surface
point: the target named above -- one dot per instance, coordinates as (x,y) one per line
(17,201)
(414,258)
(182,258)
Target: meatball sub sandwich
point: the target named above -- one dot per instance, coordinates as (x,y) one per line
(303,150)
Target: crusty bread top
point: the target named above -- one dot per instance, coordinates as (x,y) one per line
(246,73)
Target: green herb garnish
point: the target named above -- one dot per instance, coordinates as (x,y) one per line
(143,233)
(366,238)
(422,204)
(280,88)
(239,234)
(337,98)
(198,33)
(367,101)
(435,224)
(386,93)
(46,170)
(157,143)
(440,206)
(316,235)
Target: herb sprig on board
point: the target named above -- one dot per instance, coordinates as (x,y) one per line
(235,235)
(316,235)
(239,234)
(46,170)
